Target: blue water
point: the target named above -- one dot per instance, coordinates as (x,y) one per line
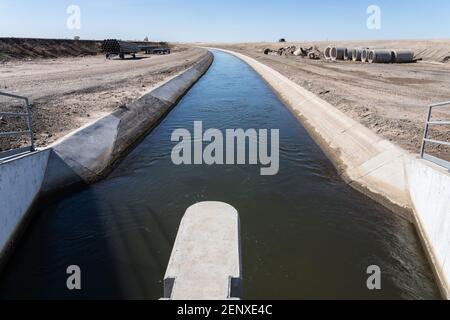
(305,233)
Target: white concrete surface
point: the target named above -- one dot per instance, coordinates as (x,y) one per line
(430,194)
(20,183)
(206,254)
(376,165)
(88,151)
(173,89)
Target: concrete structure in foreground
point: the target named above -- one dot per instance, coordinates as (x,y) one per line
(20,182)
(387,173)
(85,155)
(206,261)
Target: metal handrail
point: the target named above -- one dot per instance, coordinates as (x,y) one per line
(26,115)
(425,140)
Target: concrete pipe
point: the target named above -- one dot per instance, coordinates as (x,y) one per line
(337,53)
(380,56)
(365,55)
(403,56)
(327,53)
(357,54)
(348,54)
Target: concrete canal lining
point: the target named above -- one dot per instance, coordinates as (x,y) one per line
(86,155)
(387,173)
(20,183)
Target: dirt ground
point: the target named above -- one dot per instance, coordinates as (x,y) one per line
(390,99)
(70,92)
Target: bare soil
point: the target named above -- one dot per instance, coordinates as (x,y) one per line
(391,99)
(69,92)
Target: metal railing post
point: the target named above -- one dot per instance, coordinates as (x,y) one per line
(425,134)
(29,119)
(425,139)
(30,124)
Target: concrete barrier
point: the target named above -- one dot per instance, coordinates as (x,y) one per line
(206,259)
(417,189)
(86,155)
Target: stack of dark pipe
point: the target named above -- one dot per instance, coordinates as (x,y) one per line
(114,46)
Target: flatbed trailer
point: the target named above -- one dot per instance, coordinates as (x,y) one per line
(113,47)
(155,50)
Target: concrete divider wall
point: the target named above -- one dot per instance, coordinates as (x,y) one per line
(85,155)
(377,167)
(205,263)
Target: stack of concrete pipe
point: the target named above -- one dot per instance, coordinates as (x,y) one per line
(371,55)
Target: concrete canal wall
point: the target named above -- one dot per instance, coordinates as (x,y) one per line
(417,189)
(20,182)
(85,155)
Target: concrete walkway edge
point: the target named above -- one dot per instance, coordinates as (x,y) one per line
(205,263)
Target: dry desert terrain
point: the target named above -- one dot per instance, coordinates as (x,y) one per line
(391,99)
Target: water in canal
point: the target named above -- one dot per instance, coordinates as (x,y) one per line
(305,233)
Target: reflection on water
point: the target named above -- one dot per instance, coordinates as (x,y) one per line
(305,233)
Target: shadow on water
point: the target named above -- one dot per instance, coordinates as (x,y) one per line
(305,233)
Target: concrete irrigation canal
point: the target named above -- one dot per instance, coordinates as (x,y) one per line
(305,233)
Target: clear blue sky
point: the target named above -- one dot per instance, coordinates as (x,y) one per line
(226,20)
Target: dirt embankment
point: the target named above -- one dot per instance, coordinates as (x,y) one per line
(27,49)
(70,92)
(22,48)
(391,99)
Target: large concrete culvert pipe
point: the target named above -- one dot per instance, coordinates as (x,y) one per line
(380,56)
(357,54)
(348,54)
(365,55)
(337,53)
(403,56)
(327,53)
